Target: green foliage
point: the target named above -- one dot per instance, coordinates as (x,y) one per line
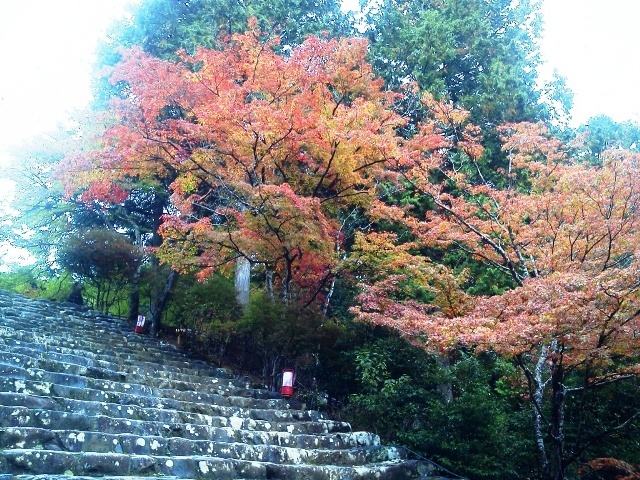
(268,336)
(601,133)
(33,282)
(479,432)
(103,259)
(481,55)
(38,216)
(557,100)
(486,428)
(38,282)
(604,409)
(162,27)
(100,254)
(203,304)
(279,335)
(483,279)
(205,314)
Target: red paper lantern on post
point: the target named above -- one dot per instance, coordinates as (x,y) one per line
(288,378)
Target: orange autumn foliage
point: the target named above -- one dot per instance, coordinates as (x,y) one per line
(611,469)
(262,151)
(567,234)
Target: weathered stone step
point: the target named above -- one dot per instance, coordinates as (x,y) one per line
(220,377)
(259,409)
(192,402)
(133,383)
(158,398)
(24,461)
(105,347)
(79,327)
(63,363)
(63,323)
(75,477)
(33,311)
(293,421)
(122,359)
(393,470)
(128,353)
(97,442)
(106,338)
(18,417)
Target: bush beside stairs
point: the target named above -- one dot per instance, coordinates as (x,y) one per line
(81,395)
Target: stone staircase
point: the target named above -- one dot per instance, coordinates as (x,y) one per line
(81,395)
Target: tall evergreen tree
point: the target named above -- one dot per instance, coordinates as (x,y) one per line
(479,54)
(162,27)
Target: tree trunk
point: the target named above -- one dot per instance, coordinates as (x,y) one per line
(557,421)
(134,297)
(445,389)
(537,389)
(288,278)
(243,281)
(269,281)
(134,292)
(327,300)
(161,303)
(551,456)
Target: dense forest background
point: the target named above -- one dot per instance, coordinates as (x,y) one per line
(390,202)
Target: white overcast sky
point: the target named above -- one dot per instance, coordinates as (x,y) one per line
(47,46)
(596,45)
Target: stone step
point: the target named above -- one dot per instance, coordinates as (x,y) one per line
(256,408)
(30,313)
(35,462)
(122,359)
(89,326)
(75,477)
(19,416)
(132,356)
(63,322)
(104,348)
(132,374)
(23,461)
(294,421)
(184,391)
(158,398)
(83,377)
(98,442)
(83,397)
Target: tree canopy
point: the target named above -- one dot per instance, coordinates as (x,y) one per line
(564,233)
(163,27)
(263,152)
(481,55)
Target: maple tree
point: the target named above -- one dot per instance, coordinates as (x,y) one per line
(262,152)
(164,27)
(564,235)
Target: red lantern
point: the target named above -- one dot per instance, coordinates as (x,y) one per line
(140,324)
(288,378)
